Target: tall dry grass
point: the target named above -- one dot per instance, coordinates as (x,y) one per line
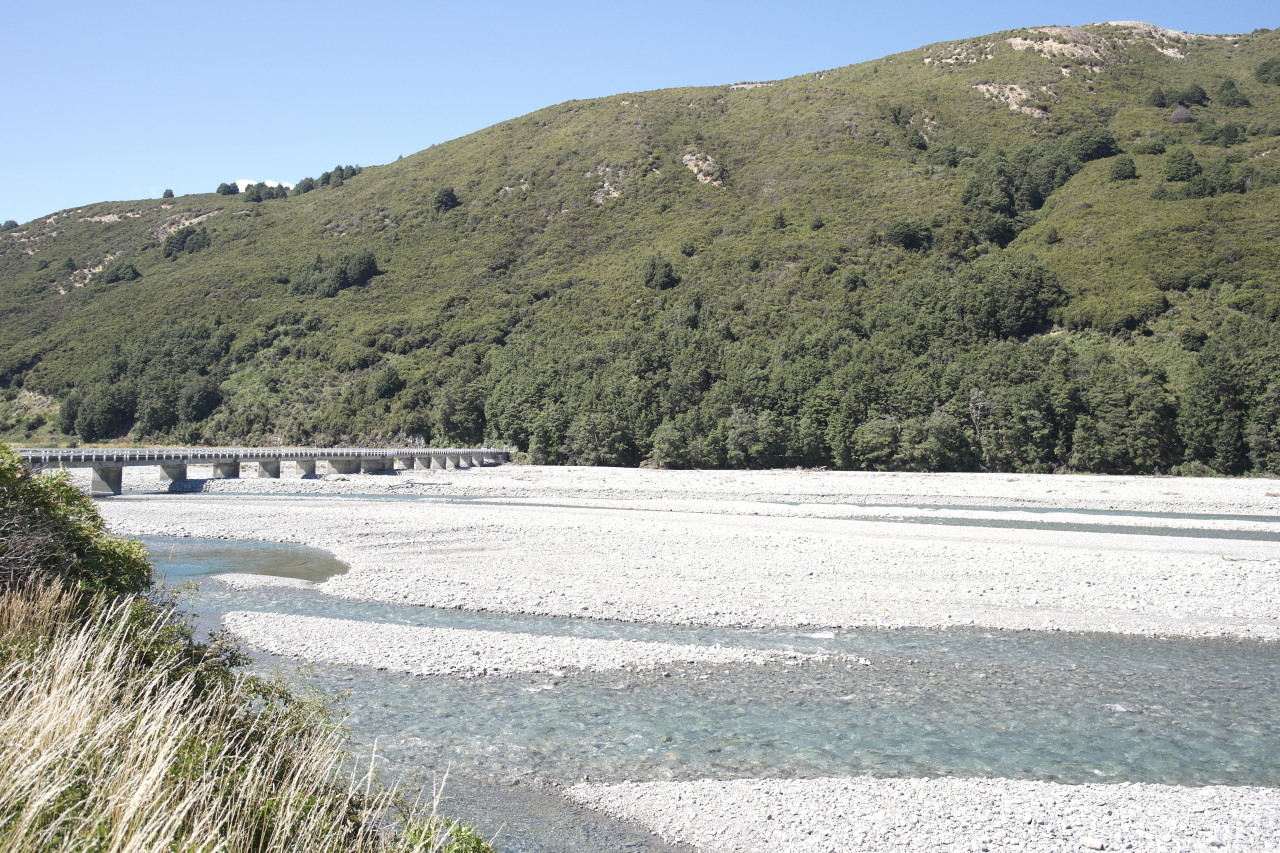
(108,745)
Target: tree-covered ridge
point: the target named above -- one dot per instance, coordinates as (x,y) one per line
(1037,250)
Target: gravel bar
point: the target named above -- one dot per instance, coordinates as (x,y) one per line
(468,653)
(1227,496)
(838,815)
(734,563)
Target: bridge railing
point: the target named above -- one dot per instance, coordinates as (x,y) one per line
(75,457)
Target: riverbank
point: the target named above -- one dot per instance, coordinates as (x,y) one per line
(1142,556)
(821,815)
(711,551)
(1257,496)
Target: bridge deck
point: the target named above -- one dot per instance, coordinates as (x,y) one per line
(98,457)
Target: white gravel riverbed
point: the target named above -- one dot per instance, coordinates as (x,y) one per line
(1260,496)
(468,653)
(733,561)
(839,815)
(786,549)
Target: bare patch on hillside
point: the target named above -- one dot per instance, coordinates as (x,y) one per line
(1020,99)
(1050,48)
(523,187)
(112,217)
(704,168)
(760,84)
(610,180)
(960,53)
(182,220)
(81,277)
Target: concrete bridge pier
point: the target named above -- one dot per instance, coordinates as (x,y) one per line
(436,462)
(107,480)
(175,472)
(344,466)
(269,468)
(403,463)
(226,470)
(374,465)
(306,467)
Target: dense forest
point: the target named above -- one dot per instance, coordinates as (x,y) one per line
(1040,250)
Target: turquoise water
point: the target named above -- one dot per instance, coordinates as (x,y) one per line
(1034,705)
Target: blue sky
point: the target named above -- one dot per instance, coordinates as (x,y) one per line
(109,101)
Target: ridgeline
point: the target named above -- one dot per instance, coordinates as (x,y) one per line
(1039,250)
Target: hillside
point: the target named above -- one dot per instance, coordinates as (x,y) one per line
(1038,250)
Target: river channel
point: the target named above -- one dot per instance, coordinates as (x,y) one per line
(1071,708)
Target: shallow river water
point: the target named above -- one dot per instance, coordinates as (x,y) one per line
(1036,705)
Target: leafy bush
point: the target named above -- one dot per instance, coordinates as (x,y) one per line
(118,270)
(1181,165)
(48,529)
(1123,168)
(658,273)
(1269,71)
(187,240)
(444,200)
(327,276)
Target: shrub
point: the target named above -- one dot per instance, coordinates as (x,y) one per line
(1269,71)
(1146,146)
(658,273)
(118,270)
(444,200)
(49,529)
(1123,168)
(187,240)
(1181,165)
(1228,95)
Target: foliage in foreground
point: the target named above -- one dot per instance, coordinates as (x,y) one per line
(118,733)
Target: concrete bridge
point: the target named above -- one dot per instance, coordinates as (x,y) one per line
(108,465)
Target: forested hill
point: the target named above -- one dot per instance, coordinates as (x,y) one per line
(1039,250)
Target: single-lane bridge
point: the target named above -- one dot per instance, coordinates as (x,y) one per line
(108,464)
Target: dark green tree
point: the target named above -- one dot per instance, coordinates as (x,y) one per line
(106,412)
(1228,95)
(444,200)
(1157,98)
(1193,95)
(167,194)
(228,189)
(1269,71)
(1181,165)
(68,412)
(118,270)
(658,273)
(186,240)
(9,225)
(198,398)
(386,383)
(1123,168)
